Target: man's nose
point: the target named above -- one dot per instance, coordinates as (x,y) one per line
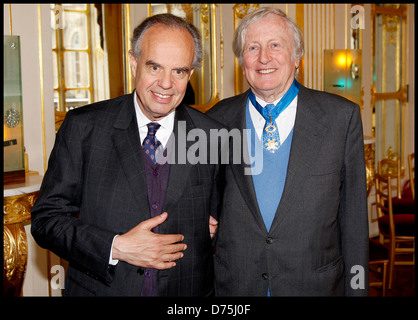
(166,80)
(264,56)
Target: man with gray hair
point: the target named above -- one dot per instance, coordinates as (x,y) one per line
(128,224)
(300,227)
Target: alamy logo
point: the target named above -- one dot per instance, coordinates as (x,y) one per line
(58,21)
(358,280)
(224,147)
(57,277)
(357,21)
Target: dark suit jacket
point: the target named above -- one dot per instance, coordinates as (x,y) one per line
(95,188)
(320,230)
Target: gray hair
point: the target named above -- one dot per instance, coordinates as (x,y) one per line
(170,21)
(249,19)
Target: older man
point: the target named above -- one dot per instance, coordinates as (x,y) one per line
(299,227)
(130,225)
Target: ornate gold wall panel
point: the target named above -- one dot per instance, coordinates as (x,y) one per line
(389,89)
(240,11)
(15,252)
(16,210)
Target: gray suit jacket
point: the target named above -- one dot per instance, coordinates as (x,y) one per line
(95,187)
(320,230)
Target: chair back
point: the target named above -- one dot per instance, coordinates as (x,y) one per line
(404,233)
(384,205)
(392,169)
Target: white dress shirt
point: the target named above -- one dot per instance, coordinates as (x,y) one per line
(284,122)
(163,133)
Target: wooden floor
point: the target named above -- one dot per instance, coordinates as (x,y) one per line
(403,283)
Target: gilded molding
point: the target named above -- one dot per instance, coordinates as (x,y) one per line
(10,19)
(209,11)
(240,11)
(221,45)
(15,250)
(393,30)
(17,209)
(369,154)
(204,18)
(41,87)
(129,86)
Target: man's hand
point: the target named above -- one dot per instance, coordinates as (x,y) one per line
(143,248)
(213,226)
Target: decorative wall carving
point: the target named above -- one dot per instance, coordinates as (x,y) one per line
(16,210)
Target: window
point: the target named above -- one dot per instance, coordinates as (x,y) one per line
(79,60)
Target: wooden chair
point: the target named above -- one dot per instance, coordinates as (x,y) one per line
(397,231)
(392,169)
(378,263)
(411,169)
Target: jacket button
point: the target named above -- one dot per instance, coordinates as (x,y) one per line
(269,240)
(140,271)
(265,276)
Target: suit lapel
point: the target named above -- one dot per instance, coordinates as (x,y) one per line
(244,181)
(125,140)
(308,133)
(179,172)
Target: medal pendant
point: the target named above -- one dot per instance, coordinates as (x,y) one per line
(270,128)
(272,145)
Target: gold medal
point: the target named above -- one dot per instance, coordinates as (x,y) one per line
(270,128)
(272,145)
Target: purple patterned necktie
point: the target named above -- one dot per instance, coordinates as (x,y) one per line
(151,143)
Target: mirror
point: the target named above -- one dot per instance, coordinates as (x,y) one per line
(13,146)
(203,86)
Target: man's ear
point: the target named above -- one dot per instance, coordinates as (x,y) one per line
(297,63)
(133,63)
(190,74)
